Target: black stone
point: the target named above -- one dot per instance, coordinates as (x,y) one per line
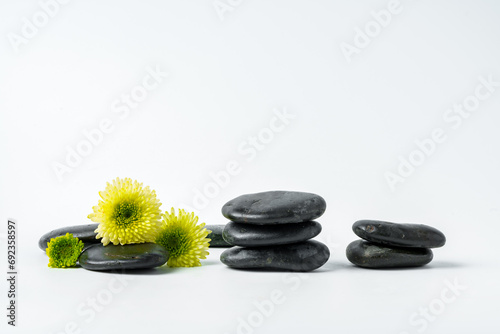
(83,232)
(248,235)
(369,255)
(274,207)
(304,256)
(400,235)
(134,256)
(216,236)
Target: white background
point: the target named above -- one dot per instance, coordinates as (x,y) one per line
(353,120)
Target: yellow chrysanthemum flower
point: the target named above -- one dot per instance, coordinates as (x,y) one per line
(185,241)
(128,213)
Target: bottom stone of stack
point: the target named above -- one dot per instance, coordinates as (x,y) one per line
(303,256)
(371,255)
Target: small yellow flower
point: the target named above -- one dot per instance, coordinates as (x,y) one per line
(64,251)
(127,214)
(185,241)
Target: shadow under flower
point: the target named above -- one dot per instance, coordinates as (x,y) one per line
(163,270)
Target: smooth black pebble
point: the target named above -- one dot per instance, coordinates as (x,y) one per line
(123,257)
(400,235)
(215,236)
(83,232)
(274,207)
(248,235)
(368,255)
(303,256)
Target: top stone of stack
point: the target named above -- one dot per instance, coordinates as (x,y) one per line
(399,235)
(274,207)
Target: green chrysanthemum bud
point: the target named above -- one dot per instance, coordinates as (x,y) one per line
(64,251)
(185,239)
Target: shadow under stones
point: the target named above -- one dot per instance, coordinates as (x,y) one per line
(446,264)
(163,270)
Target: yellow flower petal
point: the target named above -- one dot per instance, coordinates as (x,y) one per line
(127,214)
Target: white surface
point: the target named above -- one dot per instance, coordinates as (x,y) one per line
(352,121)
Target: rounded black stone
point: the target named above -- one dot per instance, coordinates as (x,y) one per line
(274,207)
(304,256)
(83,232)
(248,235)
(123,257)
(215,236)
(400,235)
(369,255)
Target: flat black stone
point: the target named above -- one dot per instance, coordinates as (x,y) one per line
(134,256)
(369,255)
(248,235)
(83,232)
(304,256)
(274,207)
(216,236)
(400,235)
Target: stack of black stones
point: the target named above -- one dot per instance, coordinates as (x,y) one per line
(272,231)
(391,245)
